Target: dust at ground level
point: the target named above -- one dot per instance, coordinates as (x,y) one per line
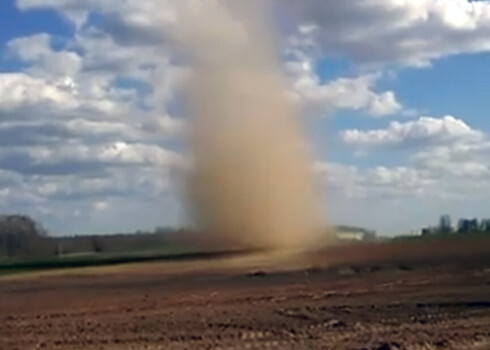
(411,303)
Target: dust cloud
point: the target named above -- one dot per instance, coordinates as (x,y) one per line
(251,184)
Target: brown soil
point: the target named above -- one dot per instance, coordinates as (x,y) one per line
(389,296)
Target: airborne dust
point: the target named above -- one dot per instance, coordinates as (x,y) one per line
(251,183)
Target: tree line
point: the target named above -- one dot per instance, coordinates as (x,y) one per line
(22,238)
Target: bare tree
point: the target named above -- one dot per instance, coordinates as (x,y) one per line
(22,236)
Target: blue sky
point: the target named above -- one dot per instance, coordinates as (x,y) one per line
(16,23)
(394,99)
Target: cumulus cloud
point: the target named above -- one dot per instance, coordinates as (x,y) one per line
(391,31)
(379,31)
(425,130)
(413,189)
(89,118)
(343,93)
(86,159)
(464,159)
(399,182)
(36,50)
(23,96)
(30,48)
(19,90)
(132,36)
(379,182)
(451,161)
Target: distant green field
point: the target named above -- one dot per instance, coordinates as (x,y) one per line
(95,260)
(179,253)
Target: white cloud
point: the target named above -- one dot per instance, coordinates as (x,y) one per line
(146,183)
(425,130)
(36,50)
(392,31)
(142,154)
(375,183)
(384,104)
(320,97)
(91,117)
(30,48)
(398,182)
(451,163)
(87,120)
(139,21)
(144,45)
(343,93)
(378,31)
(462,159)
(21,90)
(100,205)
(23,96)
(76,158)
